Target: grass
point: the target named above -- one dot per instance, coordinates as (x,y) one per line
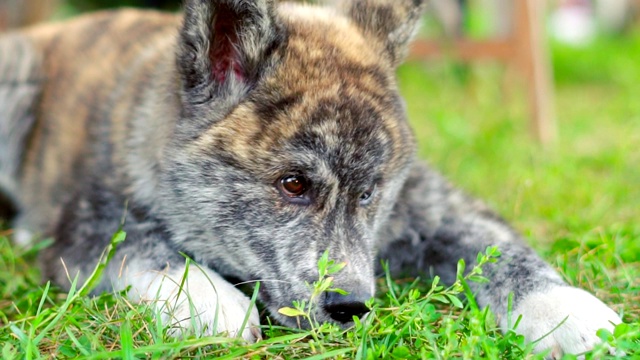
(576,202)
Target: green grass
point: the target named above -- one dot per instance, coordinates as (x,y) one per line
(577,202)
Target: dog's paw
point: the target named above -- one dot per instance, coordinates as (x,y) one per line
(575,315)
(206,304)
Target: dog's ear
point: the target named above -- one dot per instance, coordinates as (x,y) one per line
(393,23)
(224,46)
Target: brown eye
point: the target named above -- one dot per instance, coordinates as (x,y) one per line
(294,186)
(367,196)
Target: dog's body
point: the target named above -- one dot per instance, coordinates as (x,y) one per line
(253,138)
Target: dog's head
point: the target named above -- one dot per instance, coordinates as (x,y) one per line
(293,141)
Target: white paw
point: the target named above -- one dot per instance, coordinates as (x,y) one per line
(584,313)
(206,305)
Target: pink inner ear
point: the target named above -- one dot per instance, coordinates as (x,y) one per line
(224,54)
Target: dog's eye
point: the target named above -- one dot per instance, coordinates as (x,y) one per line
(367,196)
(294,186)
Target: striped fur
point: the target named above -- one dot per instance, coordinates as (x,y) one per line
(20,86)
(191,125)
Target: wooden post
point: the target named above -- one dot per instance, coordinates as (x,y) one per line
(533,60)
(524,49)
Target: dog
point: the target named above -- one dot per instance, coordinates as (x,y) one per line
(253,137)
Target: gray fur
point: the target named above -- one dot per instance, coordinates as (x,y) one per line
(20,85)
(434,225)
(256,39)
(193,135)
(393,24)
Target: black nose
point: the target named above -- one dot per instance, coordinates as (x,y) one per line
(343,308)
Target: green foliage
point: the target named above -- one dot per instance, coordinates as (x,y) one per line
(411,320)
(305,308)
(576,202)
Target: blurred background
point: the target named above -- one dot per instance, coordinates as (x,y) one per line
(532,105)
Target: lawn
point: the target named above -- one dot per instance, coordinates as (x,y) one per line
(576,201)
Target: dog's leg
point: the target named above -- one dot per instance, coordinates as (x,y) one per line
(435,225)
(192,299)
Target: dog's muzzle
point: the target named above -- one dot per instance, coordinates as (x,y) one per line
(342,308)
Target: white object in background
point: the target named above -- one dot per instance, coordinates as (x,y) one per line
(573,22)
(613,15)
